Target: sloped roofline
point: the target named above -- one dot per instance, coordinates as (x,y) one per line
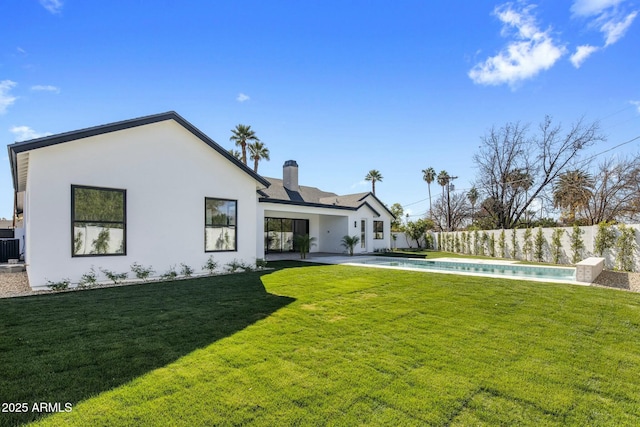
(33,144)
(325,206)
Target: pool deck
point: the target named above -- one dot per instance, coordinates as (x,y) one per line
(357,261)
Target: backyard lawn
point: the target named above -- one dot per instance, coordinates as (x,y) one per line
(307,344)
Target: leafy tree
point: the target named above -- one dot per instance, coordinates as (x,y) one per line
(243,135)
(349,242)
(572,190)
(512,151)
(539,245)
(502,244)
(605,238)
(527,248)
(373,176)
(492,245)
(257,151)
(429,175)
(626,247)
(577,244)
(556,244)
(476,242)
(397,211)
(514,244)
(416,230)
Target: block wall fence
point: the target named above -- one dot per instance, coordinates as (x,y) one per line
(566,253)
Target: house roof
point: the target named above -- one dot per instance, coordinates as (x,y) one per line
(19,167)
(314,197)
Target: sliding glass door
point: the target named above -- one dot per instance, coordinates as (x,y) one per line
(279,233)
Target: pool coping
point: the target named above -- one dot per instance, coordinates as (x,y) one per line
(354,261)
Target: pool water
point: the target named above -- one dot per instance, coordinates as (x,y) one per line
(524,271)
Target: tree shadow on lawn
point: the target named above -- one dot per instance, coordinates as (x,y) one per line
(68,347)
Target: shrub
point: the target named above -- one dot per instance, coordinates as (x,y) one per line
(626,246)
(476,242)
(527,248)
(492,245)
(88,279)
(58,286)
(115,277)
(514,244)
(539,246)
(185,270)
(502,244)
(141,272)
(577,244)
(170,274)
(261,263)
(605,238)
(556,244)
(210,265)
(234,266)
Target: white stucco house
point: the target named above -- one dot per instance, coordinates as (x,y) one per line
(158,192)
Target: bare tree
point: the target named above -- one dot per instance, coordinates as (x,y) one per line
(515,167)
(459,211)
(615,194)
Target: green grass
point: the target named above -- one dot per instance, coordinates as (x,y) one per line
(327,345)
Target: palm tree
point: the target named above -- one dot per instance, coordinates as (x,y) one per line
(373,176)
(242,134)
(235,153)
(572,190)
(429,175)
(473,196)
(443,179)
(257,151)
(349,242)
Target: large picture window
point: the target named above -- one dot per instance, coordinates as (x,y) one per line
(378,230)
(98,221)
(220,225)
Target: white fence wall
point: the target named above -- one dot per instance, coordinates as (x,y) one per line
(588,237)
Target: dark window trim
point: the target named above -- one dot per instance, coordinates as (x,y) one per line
(235,243)
(124,220)
(375,232)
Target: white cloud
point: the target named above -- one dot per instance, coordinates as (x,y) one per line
(615,28)
(582,53)
(45,88)
(362,183)
(531,51)
(6,99)
(24,133)
(242,97)
(592,7)
(53,6)
(637,105)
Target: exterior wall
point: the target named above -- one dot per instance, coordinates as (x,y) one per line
(328,226)
(332,230)
(588,237)
(167,173)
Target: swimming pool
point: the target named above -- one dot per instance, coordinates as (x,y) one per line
(508,270)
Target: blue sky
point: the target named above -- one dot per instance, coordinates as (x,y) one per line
(341,87)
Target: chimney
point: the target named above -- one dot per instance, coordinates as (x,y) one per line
(290,175)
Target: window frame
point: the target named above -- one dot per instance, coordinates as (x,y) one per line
(235,226)
(74,221)
(375,232)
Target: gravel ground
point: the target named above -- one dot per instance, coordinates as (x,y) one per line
(17,284)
